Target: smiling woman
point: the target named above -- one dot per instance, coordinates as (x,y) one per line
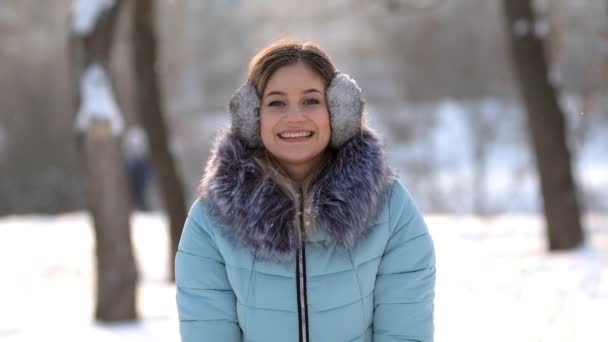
(302,231)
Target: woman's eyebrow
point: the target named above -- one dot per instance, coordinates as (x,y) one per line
(276,92)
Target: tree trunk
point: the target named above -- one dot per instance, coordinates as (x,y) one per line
(99,134)
(109,202)
(547,128)
(149,106)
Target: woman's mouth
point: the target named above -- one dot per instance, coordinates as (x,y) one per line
(296,136)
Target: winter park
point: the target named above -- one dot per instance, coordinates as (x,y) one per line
(194,170)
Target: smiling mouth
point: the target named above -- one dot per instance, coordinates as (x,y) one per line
(295,136)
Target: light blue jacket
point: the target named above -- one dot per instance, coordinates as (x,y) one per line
(381,290)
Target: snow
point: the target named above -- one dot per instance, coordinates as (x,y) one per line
(97,101)
(495,281)
(48,293)
(86,13)
(500,285)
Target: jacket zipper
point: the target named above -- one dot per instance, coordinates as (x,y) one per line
(301,280)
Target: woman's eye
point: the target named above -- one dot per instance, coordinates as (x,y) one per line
(311,101)
(276,103)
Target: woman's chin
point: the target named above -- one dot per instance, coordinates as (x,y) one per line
(295,159)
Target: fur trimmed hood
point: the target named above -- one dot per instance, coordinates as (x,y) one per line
(345,200)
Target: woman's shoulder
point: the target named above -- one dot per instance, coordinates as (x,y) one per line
(399,195)
(200,215)
(400,204)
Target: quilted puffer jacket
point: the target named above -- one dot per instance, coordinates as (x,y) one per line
(366,274)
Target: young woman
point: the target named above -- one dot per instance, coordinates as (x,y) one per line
(302,232)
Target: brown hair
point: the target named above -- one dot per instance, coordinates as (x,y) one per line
(262,66)
(284,52)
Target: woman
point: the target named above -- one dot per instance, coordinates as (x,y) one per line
(302,232)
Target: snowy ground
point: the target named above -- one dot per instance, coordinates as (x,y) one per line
(495,282)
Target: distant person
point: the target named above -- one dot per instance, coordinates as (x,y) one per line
(139,168)
(302,231)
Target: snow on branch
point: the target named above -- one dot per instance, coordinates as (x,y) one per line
(86,13)
(97,101)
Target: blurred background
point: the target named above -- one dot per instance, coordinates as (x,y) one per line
(494,113)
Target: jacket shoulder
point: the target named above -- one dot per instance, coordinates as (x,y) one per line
(399,196)
(402,208)
(199,209)
(199,214)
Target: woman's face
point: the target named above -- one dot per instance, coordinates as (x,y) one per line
(294,120)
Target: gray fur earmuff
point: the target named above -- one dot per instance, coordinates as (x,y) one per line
(344,101)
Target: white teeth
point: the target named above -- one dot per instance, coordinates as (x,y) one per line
(295,135)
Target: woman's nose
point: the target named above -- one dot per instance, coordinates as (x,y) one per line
(295,113)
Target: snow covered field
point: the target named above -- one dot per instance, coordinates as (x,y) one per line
(495,281)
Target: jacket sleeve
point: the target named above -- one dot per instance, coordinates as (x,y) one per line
(206,303)
(405,283)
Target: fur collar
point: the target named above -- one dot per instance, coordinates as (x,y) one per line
(345,200)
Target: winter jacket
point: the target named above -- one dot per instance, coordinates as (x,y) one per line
(366,274)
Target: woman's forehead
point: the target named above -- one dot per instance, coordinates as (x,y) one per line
(294,78)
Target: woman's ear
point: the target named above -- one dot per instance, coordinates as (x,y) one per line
(244,108)
(345,105)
